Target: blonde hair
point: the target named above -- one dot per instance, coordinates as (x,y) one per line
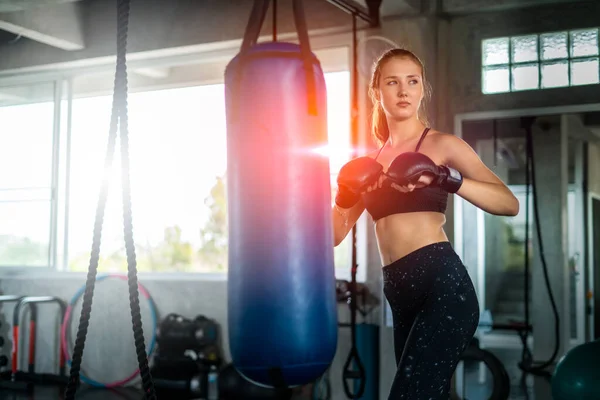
(379,126)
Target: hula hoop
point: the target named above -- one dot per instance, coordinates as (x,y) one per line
(67,320)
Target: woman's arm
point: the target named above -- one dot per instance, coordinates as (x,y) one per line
(481,187)
(344,219)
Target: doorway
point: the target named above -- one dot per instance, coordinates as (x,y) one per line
(594,258)
(493,247)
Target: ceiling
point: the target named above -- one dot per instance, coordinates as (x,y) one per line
(61,24)
(21,5)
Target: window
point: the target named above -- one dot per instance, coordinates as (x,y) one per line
(26,148)
(55,154)
(540,61)
(177,137)
(178,154)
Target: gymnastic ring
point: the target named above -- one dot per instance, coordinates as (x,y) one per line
(67,318)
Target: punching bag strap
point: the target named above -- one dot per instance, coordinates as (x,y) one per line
(301,28)
(253,28)
(255,23)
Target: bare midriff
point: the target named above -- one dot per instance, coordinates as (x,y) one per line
(400,234)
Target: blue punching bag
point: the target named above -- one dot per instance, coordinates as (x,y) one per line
(282,315)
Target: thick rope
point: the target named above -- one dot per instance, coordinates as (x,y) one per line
(119,114)
(134,300)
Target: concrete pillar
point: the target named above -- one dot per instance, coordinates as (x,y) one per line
(593,179)
(551,157)
(593,167)
(493,239)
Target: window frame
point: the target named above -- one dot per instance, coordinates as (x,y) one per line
(57,90)
(62,76)
(539,62)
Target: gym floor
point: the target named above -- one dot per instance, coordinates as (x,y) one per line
(53,393)
(534,388)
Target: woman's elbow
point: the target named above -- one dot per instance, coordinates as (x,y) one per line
(337,240)
(506,206)
(513,207)
(338,237)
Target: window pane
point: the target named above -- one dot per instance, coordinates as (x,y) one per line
(584,72)
(525,77)
(177,167)
(26,135)
(524,49)
(338,119)
(24,233)
(495,51)
(555,74)
(178,160)
(584,43)
(26,128)
(554,45)
(504,255)
(496,80)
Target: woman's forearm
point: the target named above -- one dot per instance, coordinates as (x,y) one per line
(340,219)
(339,224)
(343,220)
(493,198)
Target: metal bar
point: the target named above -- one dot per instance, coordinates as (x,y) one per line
(58,86)
(26,201)
(67,191)
(579,233)
(351,7)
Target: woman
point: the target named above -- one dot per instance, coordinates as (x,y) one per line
(404,186)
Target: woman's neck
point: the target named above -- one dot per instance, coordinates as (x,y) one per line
(404,131)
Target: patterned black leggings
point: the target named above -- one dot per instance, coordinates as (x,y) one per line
(435,313)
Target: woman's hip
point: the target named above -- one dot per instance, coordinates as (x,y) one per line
(431,269)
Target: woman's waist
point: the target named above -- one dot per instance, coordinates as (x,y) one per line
(401,235)
(430,268)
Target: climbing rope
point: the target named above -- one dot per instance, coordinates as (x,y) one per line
(119,118)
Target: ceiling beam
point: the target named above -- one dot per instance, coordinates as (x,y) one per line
(477,6)
(58,25)
(577,130)
(20,5)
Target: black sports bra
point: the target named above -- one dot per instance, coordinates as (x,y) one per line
(387,200)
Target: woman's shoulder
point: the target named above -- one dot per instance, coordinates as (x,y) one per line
(437,134)
(375,152)
(448,146)
(440,138)
(372,154)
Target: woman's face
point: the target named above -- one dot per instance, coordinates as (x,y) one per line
(401,88)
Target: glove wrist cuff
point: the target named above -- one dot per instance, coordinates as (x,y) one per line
(452,180)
